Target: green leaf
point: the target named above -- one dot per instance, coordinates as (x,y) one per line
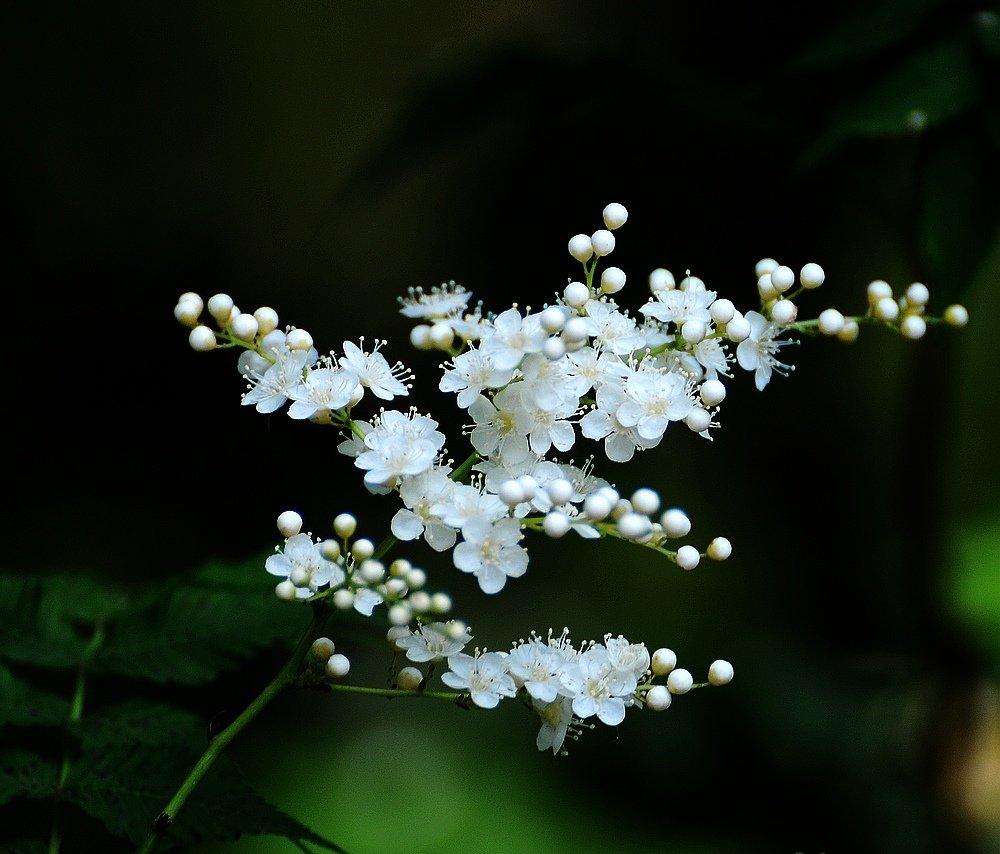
(23,774)
(974,591)
(24,705)
(134,756)
(206,625)
(927,89)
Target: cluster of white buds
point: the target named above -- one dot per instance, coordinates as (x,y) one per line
(567,686)
(534,383)
(350,572)
(335,665)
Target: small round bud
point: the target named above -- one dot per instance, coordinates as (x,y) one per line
(343,599)
(764,267)
(597,507)
(831,321)
(712,392)
(440,603)
(886,309)
(416,578)
(603,242)
(285,591)
(691,283)
(299,576)
(811,276)
(244,327)
(187,312)
(679,681)
(782,278)
(409,679)
(722,310)
(913,327)
(420,602)
(646,501)
(400,614)
(663,661)
(658,698)
(371,571)
(337,666)
(675,523)
(442,336)
(220,307)
(555,524)
(330,549)
(693,331)
(298,339)
(396,634)
(661,279)
(688,557)
(289,523)
(420,337)
(720,672)
(267,319)
(193,298)
(362,549)
(849,334)
(917,294)
(612,280)
(581,248)
(738,329)
(610,493)
(766,290)
(322,648)
(511,493)
(395,587)
(202,339)
(529,486)
(615,215)
(698,420)
(345,525)
(455,629)
(575,330)
(956,315)
(400,568)
(552,319)
(878,290)
(273,342)
(784,311)
(559,490)
(576,294)
(634,526)
(554,349)
(719,549)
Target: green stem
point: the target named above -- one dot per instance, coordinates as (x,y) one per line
(75,713)
(285,677)
(449,696)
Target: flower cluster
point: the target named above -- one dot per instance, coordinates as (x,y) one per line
(534,384)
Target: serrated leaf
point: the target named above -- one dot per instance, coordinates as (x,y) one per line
(927,89)
(134,756)
(22,704)
(25,774)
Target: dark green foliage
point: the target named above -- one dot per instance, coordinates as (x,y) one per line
(21,704)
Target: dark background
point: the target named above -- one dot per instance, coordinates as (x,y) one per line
(323,157)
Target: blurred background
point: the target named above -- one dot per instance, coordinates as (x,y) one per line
(323,157)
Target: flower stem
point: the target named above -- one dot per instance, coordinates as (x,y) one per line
(449,696)
(284,678)
(75,713)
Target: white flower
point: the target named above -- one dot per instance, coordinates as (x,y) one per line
(678,306)
(547,383)
(712,355)
(431,642)
(548,427)
(464,503)
(589,368)
(420,494)
(354,444)
(484,676)
(491,552)
(472,372)
(537,666)
(399,445)
(631,660)
(611,329)
(270,389)
(512,338)
(440,302)
(654,398)
(620,442)
(373,371)
(301,557)
(365,600)
(556,718)
(757,352)
(595,687)
(322,390)
(498,423)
